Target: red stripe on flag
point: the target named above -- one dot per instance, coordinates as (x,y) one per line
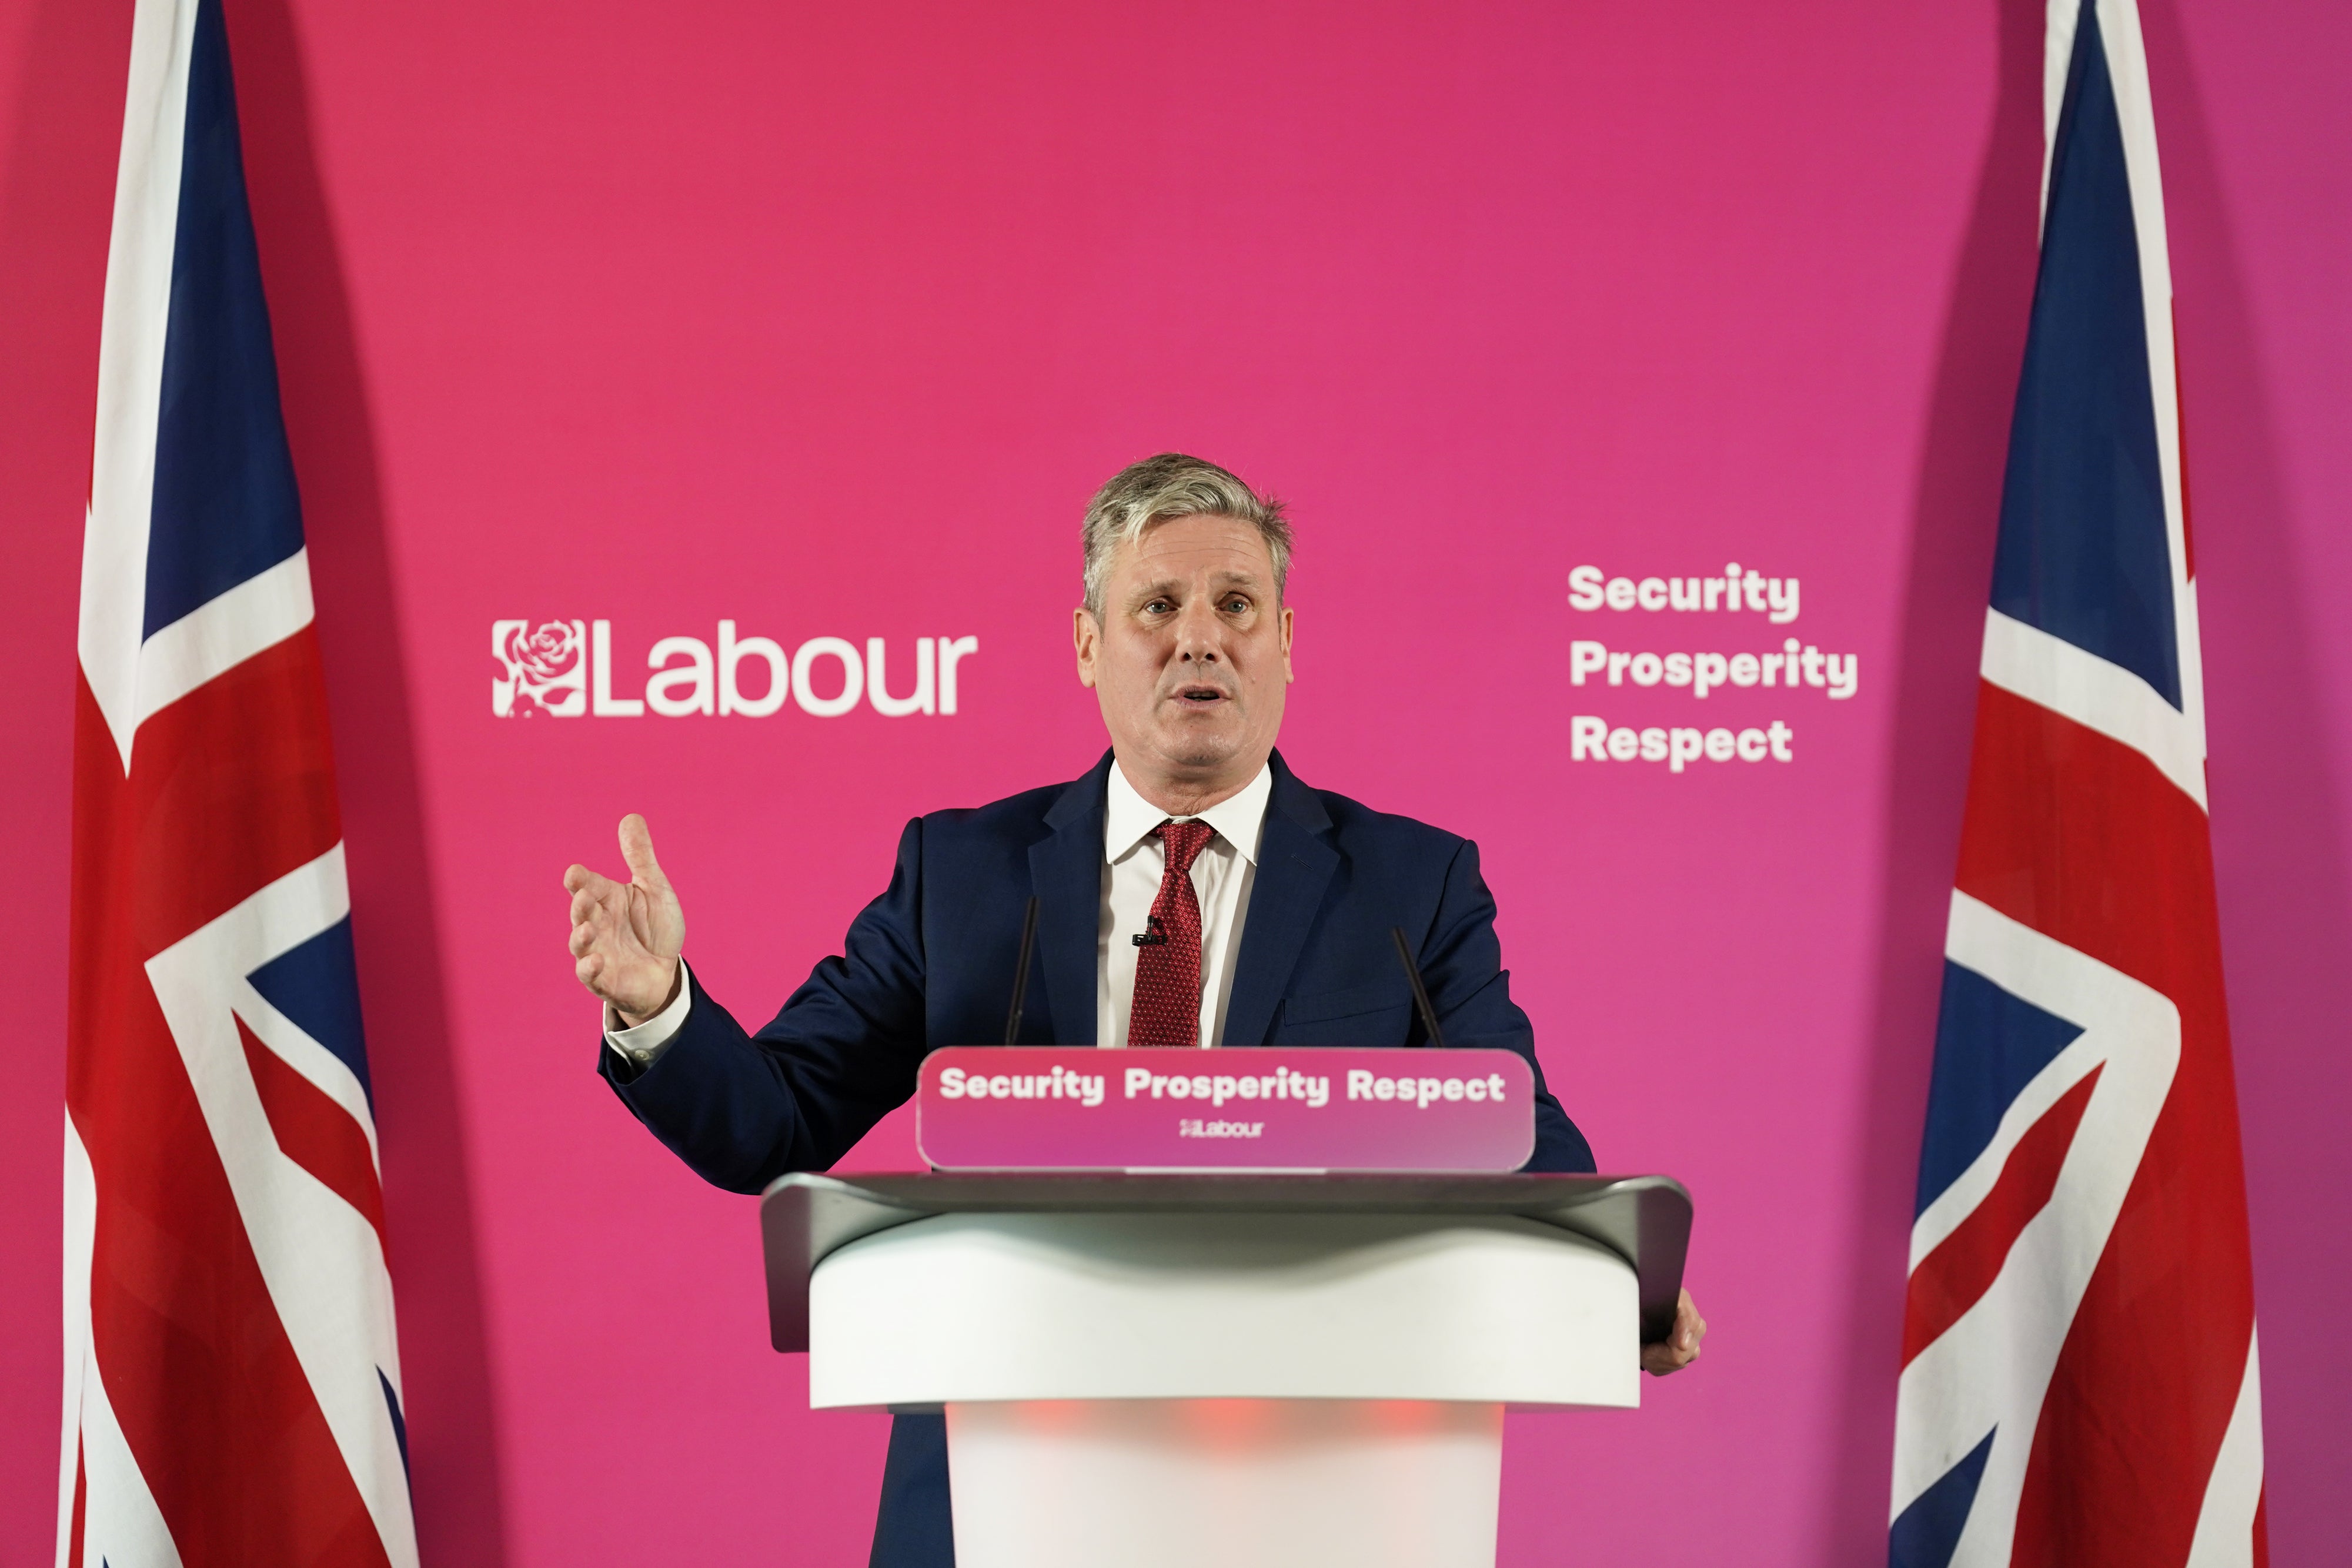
(203,1379)
(1956,1275)
(231,788)
(2079,837)
(314,1131)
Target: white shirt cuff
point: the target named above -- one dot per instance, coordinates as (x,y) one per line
(642,1046)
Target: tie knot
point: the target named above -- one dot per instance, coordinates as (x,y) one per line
(1184,841)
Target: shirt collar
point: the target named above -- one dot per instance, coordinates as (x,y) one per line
(1238,818)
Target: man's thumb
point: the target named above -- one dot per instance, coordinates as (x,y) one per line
(637,849)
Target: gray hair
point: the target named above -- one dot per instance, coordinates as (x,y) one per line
(1162,489)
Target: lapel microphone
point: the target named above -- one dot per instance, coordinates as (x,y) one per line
(1155,937)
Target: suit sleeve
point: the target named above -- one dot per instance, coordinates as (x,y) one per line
(742,1109)
(1462,964)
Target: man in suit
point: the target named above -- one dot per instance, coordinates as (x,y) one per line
(1193,893)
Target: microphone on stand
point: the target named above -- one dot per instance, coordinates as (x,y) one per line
(1420,992)
(1021,973)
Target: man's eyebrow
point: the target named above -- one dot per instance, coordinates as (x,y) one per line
(1169,584)
(1152,590)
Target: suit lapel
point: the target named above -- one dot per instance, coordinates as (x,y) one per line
(1294,865)
(1066,873)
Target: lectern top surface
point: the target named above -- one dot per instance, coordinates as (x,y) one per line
(805,1216)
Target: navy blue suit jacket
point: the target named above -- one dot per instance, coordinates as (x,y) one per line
(931,962)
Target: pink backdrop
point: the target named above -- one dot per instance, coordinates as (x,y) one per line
(826,318)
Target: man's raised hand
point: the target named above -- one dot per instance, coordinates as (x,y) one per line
(626,935)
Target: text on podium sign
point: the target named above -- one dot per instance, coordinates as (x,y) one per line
(1260,1109)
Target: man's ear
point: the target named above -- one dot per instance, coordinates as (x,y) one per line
(1085,636)
(1286,628)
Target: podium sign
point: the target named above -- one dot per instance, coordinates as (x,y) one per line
(1011,1108)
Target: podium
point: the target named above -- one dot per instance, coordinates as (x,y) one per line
(1152,1371)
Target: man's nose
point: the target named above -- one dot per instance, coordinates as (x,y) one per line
(1199,635)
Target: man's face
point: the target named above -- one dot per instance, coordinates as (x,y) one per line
(1192,654)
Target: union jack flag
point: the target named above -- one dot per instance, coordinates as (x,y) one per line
(2080,1383)
(232,1382)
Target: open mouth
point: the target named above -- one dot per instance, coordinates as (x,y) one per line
(1200,695)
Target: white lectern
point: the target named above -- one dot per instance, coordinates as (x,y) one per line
(1155,1371)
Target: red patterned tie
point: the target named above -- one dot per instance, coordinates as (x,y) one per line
(1167,1009)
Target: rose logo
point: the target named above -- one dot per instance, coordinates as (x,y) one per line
(546,668)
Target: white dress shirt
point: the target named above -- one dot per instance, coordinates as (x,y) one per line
(1134,860)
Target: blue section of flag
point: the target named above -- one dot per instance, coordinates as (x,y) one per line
(1925,1533)
(225,506)
(399,1422)
(2085,554)
(1989,1045)
(317,987)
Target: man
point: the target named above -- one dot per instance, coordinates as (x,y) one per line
(1192,892)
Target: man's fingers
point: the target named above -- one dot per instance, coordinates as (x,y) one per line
(609,919)
(1658,1360)
(1688,1326)
(1683,1341)
(637,849)
(579,881)
(601,906)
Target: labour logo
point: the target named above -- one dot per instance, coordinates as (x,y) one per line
(547,668)
(565,669)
